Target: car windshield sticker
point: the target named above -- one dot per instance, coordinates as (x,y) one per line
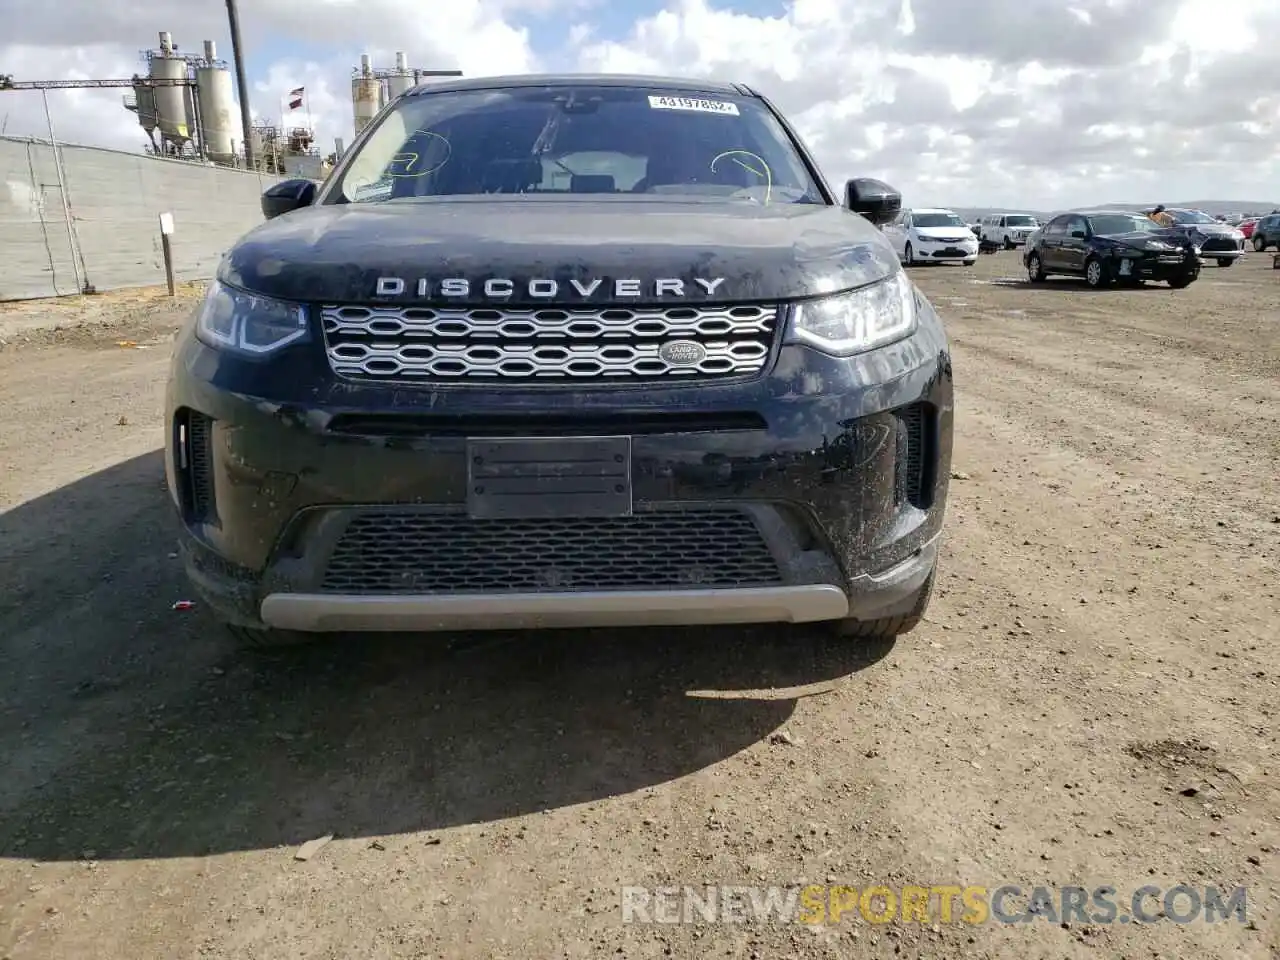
(378,190)
(697,106)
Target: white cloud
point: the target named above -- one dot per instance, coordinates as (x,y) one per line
(1039,103)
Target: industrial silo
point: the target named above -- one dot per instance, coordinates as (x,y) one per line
(400,79)
(214,91)
(172,100)
(366,95)
(145,101)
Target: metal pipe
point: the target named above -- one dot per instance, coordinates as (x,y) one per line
(81,282)
(233,20)
(197,121)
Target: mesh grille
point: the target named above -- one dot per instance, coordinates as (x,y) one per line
(407,552)
(911,456)
(1221,244)
(199,437)
(619,343)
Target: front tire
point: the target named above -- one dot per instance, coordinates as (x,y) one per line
(908,255)
(1035,269)
(970,263)
(1095,273)
(1009,244)
(1185,280)
(889,627)
(1260,244)
(1225,261)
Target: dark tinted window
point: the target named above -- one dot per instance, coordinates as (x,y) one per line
(589,139)
(1107,224)
(1191,217)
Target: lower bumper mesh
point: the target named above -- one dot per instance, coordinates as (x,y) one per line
(403,551)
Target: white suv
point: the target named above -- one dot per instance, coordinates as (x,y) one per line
(932,235)
(1008,230)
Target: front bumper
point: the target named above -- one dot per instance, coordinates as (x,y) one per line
(814,493)
(868,597)
(943,251)
(1219,248)
(1156,268)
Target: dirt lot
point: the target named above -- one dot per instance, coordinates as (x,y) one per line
(1092,701)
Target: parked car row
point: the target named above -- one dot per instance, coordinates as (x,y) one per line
(1102,246)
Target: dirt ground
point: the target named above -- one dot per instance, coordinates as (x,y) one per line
(1092,700)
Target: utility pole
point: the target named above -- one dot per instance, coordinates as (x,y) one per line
(246,120)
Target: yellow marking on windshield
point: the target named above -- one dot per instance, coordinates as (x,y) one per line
(408,161)
(760,168)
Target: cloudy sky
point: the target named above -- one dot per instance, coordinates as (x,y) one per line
(1023,103)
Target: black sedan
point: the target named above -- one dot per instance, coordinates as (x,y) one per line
(1107,246)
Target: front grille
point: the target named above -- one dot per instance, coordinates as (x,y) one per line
(912,480)
(1221,243)
(407,551)
(435,344)
(195,464)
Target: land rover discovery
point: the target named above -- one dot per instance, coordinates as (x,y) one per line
(558,351)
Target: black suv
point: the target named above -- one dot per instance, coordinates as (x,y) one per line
(1266,232)
(1106,246)
(563,351)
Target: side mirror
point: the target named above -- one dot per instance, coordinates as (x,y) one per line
(288,195)
(873,199)
(1078,234)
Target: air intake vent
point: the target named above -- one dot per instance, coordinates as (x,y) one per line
(916,458)
(194,447)
(408,551)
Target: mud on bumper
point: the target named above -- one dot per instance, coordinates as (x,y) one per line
(422,568)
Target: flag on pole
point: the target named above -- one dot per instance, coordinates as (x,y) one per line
(295,98)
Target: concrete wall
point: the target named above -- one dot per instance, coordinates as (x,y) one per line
(114,199)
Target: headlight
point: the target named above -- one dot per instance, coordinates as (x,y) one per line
(231,319)
(859,320)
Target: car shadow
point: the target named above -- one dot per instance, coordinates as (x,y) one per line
(1075,284)
(132,729)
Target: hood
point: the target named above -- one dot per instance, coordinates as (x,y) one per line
(944,233)
(1141,239)
(535,251)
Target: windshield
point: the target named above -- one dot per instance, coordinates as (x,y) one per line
(1113,223)
(1021,221)
(936,220)
(1191,216)
(577,140)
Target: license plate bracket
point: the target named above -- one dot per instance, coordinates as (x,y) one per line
(1126,267)
(524,477)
